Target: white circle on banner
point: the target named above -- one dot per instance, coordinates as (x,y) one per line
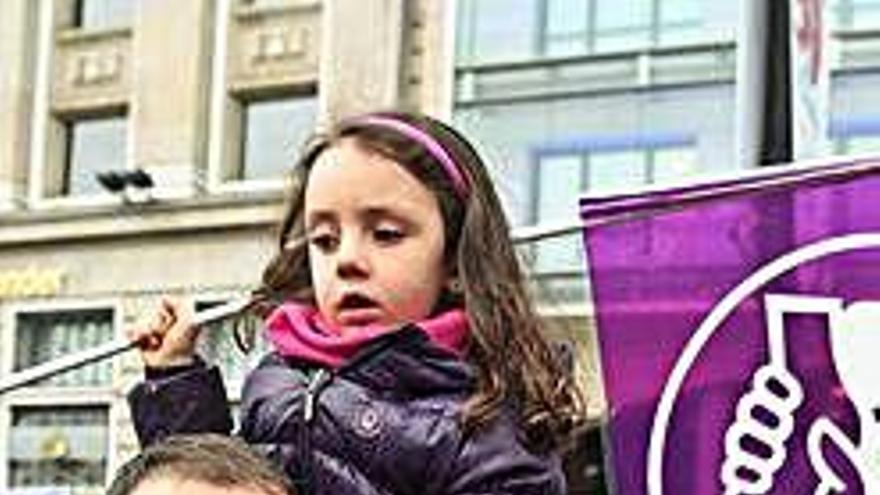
(718,314)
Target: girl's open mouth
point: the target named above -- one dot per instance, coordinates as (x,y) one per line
(358,310)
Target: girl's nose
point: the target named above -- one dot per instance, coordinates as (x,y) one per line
(351,260)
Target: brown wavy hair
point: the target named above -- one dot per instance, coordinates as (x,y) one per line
(514,363)
(218,460)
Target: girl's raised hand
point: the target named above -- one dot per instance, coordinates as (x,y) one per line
(170,337)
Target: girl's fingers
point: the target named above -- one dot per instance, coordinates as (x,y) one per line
(151,342)
(168,337)
(144,338)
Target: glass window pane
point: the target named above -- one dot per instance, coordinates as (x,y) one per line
(43,336)
(58,446)
(841,13)
(865,14)
(501,30)
(217,346)
(94,145)
(862,144)
(673,163)
(274,131)
(99,14)
(566,30)
(559,186)
(682,22)
(617,170)
(622,24)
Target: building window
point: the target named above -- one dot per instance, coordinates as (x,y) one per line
(273,131)
(497,30)
(681,22)
(860,144)
(598,165)
(218,346)
(855,14)
(501,30)
(855,134)
(42,336)
(58,446)
(103,14)
(567,27)
(622,24)
(93,145)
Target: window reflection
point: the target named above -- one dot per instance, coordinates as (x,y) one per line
(622,24)
(562,178)
(58,446)
(101,14)
(273,132)
(494,30)
(47,335)
(93,146)
(567,27)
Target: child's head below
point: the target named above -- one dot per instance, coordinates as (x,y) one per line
(403,223)
(199,465)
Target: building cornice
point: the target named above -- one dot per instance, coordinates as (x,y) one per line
(189,215)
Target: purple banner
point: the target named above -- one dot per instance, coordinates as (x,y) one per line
(739,333)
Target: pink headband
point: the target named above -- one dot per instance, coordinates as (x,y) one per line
(431,145)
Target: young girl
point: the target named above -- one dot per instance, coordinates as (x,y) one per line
(407,357)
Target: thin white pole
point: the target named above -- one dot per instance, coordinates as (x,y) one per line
(117,346)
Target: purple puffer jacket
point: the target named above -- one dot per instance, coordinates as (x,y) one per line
(385,423)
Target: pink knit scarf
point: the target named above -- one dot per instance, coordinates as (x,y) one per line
(298,330)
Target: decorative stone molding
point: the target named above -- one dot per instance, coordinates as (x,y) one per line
(277,50)
(273,44)
(91,68)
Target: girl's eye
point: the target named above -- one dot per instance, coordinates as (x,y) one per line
(324,242)
(388,235)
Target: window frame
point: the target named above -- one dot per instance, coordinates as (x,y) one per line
(6,416)
(78,17)
(650,30)
(48,177)
(584,147)
(841,130)
(233,388)
(69,122)
(245,103)
(105,396)
(226,171)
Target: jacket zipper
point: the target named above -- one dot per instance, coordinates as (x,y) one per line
(312,390)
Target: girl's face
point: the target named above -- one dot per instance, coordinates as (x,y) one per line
(375,239)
